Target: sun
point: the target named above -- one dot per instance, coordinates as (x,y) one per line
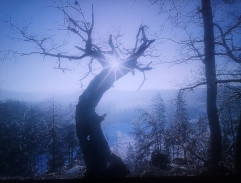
(115,66)
(115,63)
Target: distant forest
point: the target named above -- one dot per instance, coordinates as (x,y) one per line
(38,139)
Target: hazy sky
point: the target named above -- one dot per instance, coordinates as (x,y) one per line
(35,73)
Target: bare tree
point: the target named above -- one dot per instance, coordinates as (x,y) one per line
(222,44)
(181,125)
(115,62)
(149,134)
(209,61)
(215,43)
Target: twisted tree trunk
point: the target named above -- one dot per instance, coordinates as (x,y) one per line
(99,160)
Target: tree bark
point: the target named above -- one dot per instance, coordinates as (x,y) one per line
(216,138)
(238,149)
(99,160)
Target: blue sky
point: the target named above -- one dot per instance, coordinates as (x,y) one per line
(35,73)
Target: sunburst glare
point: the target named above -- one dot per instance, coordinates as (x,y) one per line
(115,66)
(115,63)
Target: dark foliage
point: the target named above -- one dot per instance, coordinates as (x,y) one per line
(26,140)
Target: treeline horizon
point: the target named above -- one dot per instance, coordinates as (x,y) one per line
(42,138)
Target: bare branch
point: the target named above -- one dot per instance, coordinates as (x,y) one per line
(205,83)
(92,24)
(89,71)
(194,48)
(84,30)
(192,87)
(76,32)
(143,81)
(142,69)
(8,54)
(224,44)
(111,45)
(189,46)
(236,25)
(146,68)
(234,93)
(137,37)
(60,67)
(74,22)
(79,48)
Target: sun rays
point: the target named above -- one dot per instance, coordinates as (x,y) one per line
(115,63)
(115,66)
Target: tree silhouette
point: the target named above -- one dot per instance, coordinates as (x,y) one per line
(115,63)
(216,41)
